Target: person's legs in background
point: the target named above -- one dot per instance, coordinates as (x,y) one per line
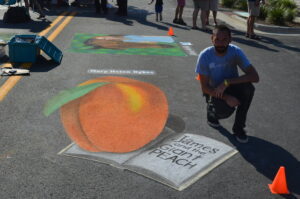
(195,14)
(179,12)
(27,5)
(97,6)
(204,6)
(207,17)
(203,18)
(104,6)
(158,12)
(123,7)
(250,25)
(213,6)
(215,17)
(253,11)
(39,9)
(175,20)
(181,22)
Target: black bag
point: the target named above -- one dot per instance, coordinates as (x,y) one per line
(218,108)
(16,15)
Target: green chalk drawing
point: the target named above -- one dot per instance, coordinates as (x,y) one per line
(128,45)
(69,95)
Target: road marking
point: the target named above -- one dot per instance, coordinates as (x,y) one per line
(122,72)
(61,26)
(12,81)
(189,50)
(56,21)
(6,65)
(186,43)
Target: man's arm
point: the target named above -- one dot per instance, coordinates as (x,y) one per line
(230,100)
(206,88)
(250,75)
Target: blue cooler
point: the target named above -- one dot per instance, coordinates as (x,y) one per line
(23,48)
(8,2)
(26,48)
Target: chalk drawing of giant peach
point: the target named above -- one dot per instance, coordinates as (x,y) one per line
(111,114)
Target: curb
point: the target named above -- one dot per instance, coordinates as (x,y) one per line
(271,28)
(228,16)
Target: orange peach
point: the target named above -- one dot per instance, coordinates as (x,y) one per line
(121,116)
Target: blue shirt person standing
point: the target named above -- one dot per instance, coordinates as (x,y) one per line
(158,8)
(225,90)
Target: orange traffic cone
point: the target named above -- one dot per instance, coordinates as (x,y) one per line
(279,185)
(171,32)
(197,77)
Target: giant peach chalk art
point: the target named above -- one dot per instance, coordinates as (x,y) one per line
(111,114)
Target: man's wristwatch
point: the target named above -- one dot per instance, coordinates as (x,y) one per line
(226,83)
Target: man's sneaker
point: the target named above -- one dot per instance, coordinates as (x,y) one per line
(240,135)
(213,123)
(241,138)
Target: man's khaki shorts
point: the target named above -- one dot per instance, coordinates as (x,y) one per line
(201,4)
(253,10)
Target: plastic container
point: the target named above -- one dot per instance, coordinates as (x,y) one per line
(7,2)
(26,48)
(23,48)
(49,48)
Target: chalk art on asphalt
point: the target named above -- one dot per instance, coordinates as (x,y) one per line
(127,44)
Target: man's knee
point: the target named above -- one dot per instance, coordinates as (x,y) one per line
(248,89)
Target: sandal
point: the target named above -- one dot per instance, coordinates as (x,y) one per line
(205,30)
(195,28)
(254,37)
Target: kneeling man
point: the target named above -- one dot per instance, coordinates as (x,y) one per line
(225,90)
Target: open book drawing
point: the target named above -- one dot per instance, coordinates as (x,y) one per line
(176,160)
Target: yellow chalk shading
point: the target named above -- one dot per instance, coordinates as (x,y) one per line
(135,100)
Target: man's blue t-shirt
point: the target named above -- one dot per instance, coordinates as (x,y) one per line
(219,68)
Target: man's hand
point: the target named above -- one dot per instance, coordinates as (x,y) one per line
(232,101)
(220,90)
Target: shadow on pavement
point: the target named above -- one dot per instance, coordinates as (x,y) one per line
(267,158)
(175,25)
(175,123)
(279,44)
(247,41)
(259,43)
(134,14)
(32,26)
(43,65)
